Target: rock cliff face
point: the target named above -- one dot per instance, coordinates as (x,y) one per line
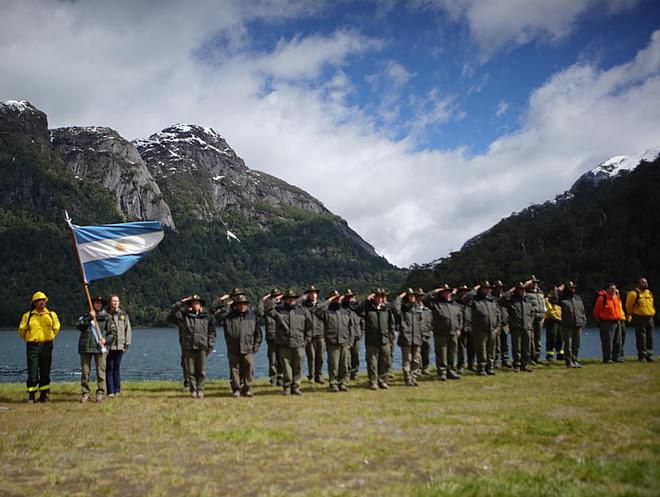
(104,157)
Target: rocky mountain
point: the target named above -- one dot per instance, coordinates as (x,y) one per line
(227,225)
(102,156)
(603,229)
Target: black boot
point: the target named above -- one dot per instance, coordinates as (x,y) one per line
(31,398)
(43,396)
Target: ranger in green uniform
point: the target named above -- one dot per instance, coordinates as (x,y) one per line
(521,316)
(89,349)
(466,353)
(274,370)
(243,337)
(573,319)
(379,326)
(485,321)
(339,324)
(427,334)
(315,349)
(350,303)
(197,339)
(411,333)
(536,297)
(502,337)
(293,330)
(447,315)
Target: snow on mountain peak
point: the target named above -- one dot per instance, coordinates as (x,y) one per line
(17,105)
(614,165)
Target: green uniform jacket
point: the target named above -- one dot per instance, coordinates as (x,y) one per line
(340,323)
(86,342)
(573,314)
(352,305)
(317,323)
(379,324)
(485,314)
(412,325)
(242,331)
(197,331)
(466,315)
(293,324)
(447,314)
(520,313)
(537,299)
(124,330)
(269,320)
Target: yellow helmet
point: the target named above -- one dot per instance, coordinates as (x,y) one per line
(39,296)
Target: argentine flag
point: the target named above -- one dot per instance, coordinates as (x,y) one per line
(112,249)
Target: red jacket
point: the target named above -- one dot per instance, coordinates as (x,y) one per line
(607,308)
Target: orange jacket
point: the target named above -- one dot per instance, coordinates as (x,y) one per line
(607,308)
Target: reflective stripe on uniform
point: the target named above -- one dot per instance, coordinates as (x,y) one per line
(44,387)
(31,389)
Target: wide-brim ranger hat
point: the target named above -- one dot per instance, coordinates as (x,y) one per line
(463,288)
(311,289)
(444,288)
(485,284)
(274,292)
(498,284)
(420,292)
(241,299)
(290,294)
(333,294)
(196,298)
(236,292)
(98,298)
(570,284)
(520,285)
(349,293)
(39,296)
(379,291)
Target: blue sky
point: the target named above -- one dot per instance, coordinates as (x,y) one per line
(421,122)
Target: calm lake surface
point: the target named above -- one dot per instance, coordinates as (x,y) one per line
(155,355)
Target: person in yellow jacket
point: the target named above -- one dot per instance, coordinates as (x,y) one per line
(639,306)
(39,327)
(553,342)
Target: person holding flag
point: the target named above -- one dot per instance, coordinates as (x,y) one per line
(39,327)
(97,330)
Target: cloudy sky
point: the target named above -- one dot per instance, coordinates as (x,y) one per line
(421,122)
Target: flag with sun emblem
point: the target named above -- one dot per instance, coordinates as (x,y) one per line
(112,249)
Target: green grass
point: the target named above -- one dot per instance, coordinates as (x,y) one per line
(556,432)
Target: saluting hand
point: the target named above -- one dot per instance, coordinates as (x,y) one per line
(92,313)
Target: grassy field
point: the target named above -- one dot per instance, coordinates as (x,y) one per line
(556,432)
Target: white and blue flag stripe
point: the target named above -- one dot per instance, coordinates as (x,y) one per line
(112,249)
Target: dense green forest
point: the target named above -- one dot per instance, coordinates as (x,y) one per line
(601,232)
(300,249)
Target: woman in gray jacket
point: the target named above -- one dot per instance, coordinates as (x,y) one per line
(118,347)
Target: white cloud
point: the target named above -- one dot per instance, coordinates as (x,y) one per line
(495,24)
(502,108)
(133,72)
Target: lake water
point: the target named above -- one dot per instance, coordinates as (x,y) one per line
(155,355)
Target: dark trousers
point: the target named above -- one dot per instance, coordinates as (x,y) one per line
(503,345)
(274,370)
(426,353)
(484,343)
(291,365)
(643,335)
(553,341)
(338,363)
(607,330)
(466,350)
(521,345)
(537,326)
(619,341)
(195,361)
(240,370)
(446,348)
(355,357)
(315,351)
(186,384)
(571,338)
(112,371)
(378,363)
(39,360)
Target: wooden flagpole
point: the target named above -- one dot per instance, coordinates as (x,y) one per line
(82,276)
